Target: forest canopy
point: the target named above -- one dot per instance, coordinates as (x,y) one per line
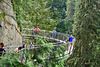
(78,17)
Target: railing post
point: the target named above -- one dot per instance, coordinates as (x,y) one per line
(23,38)
(58,36)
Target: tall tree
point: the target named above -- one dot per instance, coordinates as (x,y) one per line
(70,4)
(66,25)
(86,28)
(61,7)
(35,13)
(59,14)
(70,9)
(18,11)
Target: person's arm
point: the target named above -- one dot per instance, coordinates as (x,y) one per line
(73,38)
(4,51)
(53,30)
(25,45)
(15,50)
(33,46)
(66,41)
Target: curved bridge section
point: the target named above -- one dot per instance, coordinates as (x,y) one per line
(60,41)
(60,37)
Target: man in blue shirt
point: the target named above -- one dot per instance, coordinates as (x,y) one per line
(54,33)
(71,40)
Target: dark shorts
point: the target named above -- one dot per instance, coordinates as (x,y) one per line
(68,44)
(54,35)
(36,32)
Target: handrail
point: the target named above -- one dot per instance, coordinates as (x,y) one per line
(61,57)
(45,31)
(37,46)
(45,34)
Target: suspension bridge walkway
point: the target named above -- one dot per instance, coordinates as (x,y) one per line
(60,37)
(59,40)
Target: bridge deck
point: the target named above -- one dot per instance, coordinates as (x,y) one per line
(61,41)
(47,35)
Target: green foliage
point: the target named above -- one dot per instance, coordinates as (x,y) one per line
(42,13)
(18,11)
(59,12)
(60,6)
(43,51)
(33,13)
(2,15)
(36,13)
(86,26)
(70,9)
(66,25)
(11,60)
(1,0)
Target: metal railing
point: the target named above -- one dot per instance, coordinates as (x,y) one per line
(44,34)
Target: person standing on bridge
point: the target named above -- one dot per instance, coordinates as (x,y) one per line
(68,43)
(71,40)
(24,45)
(2,49)
(36,30)
(31,49)
(54,33)
(33,31)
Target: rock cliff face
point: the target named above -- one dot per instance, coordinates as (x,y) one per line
(9,32)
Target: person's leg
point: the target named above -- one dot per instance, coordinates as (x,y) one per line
(36,33)
(69,46)
(31,56)
(32,53)
(32,33)
(72,48)
(22,59)
(55,35)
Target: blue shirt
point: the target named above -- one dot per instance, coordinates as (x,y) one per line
(54,32)
(31,46)
(71,39)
